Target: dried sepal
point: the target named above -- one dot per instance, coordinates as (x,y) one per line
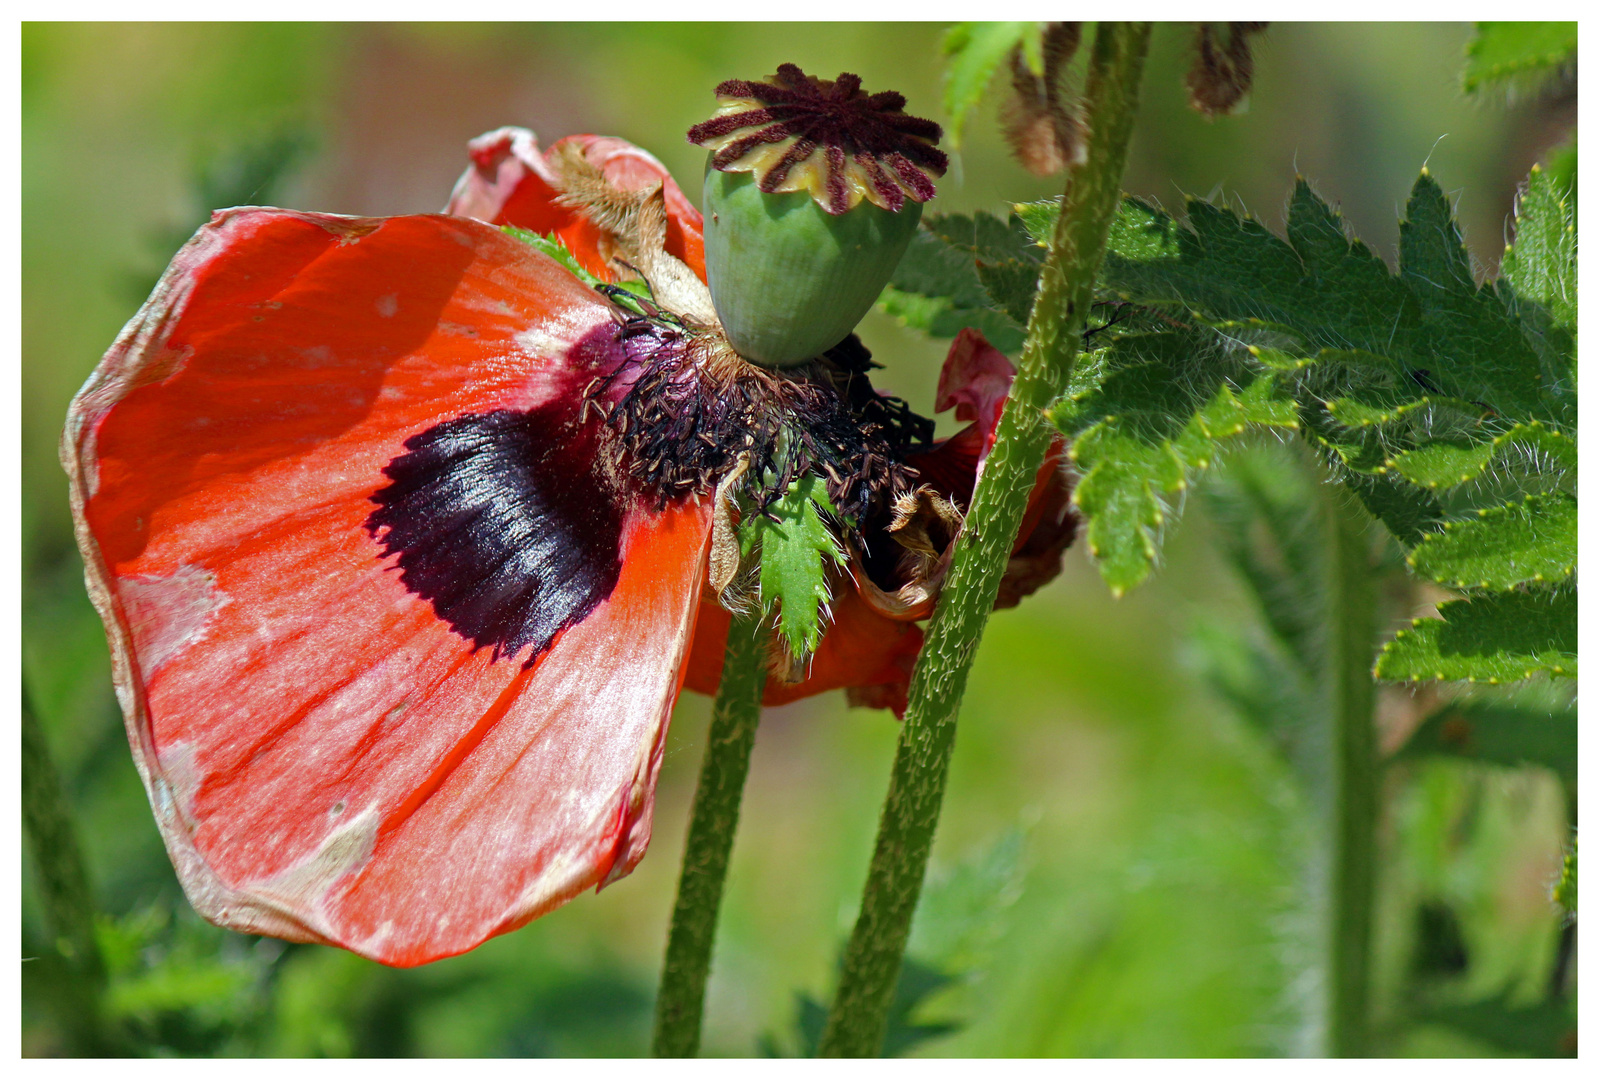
(1039,119)
(1223,66)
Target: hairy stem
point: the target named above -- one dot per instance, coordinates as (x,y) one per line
(858,1019)
(680,1006)
(63,882)
(1352,628)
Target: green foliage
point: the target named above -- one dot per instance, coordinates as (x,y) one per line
(951,272)
(975,50)
(963,913)
(1565,891)
(179,985)
(1546,1029)
(555,248)
(1492,637)
(1504,50)
(796,548)
(1169,402)
(1499,732)
(1409,385)
(1269,528)
(1534,540)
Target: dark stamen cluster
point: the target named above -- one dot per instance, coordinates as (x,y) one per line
(690,414)
(862,143)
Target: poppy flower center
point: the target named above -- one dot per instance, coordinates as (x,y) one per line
(828,137)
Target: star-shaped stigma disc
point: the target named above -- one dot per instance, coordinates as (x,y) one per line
(800,133)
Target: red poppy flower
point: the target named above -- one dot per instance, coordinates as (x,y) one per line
(395,627)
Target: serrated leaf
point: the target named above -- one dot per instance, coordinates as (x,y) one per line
(795,553)
(1006,261)
(938,317)
(1452,338)
(1542,264)
(1504,50)
(1497,638)
(962,271)
(1526,450)
(1161,411)
(555,248)
(974,51)
(1538,280)
(1500,734)
(1038,218)
(1534,540)
(1466,337)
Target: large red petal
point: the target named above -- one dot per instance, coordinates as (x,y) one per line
(327,759)
(510,182)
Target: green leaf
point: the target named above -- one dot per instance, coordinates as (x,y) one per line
(1006,261)
(1542,264)
(1526,450)
(953,269)
(1465,337)
(795,551)
(974,51)
(1538,280)
(1503,50)
(555,248)
(1500,637)
(938,317)
(1435,326)
(1162,410)
(1269,528)
(1546,1029)
(1038,218)
(1565,891)
(1534,540)
(1507,733)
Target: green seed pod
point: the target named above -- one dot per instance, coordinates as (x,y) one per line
(812,193)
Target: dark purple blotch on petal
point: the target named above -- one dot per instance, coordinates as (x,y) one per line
(505,523)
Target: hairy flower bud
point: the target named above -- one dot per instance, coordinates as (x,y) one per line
(812,193)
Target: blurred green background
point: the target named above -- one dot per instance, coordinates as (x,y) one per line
(1121,867)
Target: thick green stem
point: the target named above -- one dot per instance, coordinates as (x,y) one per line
(63,882)
(858,1020)
(1351,629)
(681,1003)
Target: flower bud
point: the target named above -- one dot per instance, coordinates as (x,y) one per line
(812,193)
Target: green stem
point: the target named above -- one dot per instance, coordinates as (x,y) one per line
(1352,628)
(858,1020)
(63,881)
(680,1005)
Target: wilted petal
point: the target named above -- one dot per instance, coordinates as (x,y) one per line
(512,182)
(342,728)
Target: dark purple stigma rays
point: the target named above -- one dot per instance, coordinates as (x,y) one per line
(797,132)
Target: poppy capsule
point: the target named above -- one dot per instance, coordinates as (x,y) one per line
(395,643)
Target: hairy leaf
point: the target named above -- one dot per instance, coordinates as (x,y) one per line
(1526,450)
(1534,540)
(1164,405)
(1492,638)
(795,552)
(1006,260)
(1504,50)
(937,289)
